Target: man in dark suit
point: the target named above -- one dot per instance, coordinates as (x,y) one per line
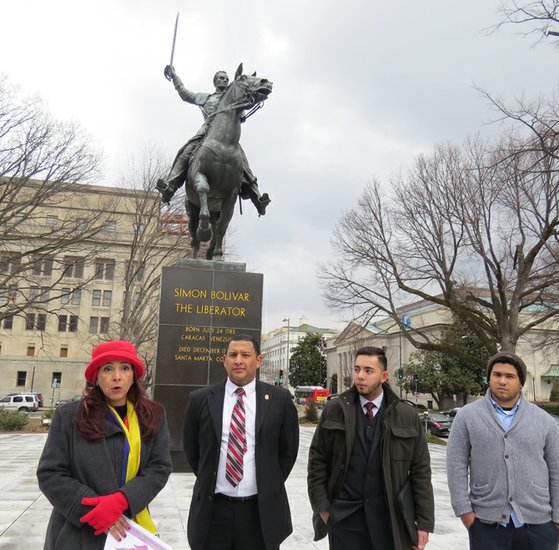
(241,439)
(369,448)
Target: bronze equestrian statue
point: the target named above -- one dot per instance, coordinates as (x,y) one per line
(212,163)
(207,103)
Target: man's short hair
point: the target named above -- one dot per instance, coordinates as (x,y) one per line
(246,338)
(508,358)
(373,351)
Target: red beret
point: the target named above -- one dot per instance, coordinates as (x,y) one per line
(114,350)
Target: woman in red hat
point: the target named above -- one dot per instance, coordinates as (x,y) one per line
(106,456)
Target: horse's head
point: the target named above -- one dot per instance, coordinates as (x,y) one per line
(249,89)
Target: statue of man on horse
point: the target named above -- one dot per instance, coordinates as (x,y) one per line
(207,102)
(212,164)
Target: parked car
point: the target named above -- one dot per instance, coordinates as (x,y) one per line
(452,412)
(437,424)
(22,402)
(38,395)
(62,401)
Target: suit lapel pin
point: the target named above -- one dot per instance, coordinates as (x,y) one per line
(266,397)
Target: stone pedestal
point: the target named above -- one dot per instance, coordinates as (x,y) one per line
(202,305)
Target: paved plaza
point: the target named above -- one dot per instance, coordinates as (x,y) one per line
(24,511)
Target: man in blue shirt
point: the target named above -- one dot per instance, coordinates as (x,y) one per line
(503,465)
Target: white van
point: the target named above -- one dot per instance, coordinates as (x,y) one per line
(20,402)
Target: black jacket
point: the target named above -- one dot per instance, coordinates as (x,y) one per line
(404,454)
(277,443)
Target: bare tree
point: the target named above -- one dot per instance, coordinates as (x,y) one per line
(43,164)
(472,229)
(538,17)
(159,238)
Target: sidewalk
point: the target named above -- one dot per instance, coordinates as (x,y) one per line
(24,511)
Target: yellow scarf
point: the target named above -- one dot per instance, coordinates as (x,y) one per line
(132,432)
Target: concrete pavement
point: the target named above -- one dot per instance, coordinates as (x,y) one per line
(24,511)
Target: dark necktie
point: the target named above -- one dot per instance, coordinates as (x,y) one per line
(369,412)
(237,444)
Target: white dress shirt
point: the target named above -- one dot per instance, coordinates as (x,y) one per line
(247,486)
(377,402)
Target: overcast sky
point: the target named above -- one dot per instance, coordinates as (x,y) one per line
(360,88)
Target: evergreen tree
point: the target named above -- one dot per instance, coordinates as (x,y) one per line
(307,366)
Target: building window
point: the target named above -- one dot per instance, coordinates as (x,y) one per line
(93,325)
(35,321)
(10,263)
(30,351)
(39,294)
(139,228)
(110,226)
(64,351)
(103,298)
(71,297)
(67,322)
(73,267)
(56,379)
(41,321)
(105,269)
(104,325)
(65,296)
(21,378)
(107,298)
(8,322)
(29,321)
(81,224)
(42,266)
(98,324)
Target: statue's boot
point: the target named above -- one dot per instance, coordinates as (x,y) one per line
(249,190)
(168,187)
(261,203)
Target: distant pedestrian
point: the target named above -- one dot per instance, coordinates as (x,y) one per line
(368,452)
(503,465)
(106,456)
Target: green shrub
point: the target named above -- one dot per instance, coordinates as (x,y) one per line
(311,413)
(12,421)
(551,408)
(554,395)
(48,413)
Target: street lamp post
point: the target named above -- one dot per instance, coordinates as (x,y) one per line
(286,374)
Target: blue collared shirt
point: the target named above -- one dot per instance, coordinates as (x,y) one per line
(506,418)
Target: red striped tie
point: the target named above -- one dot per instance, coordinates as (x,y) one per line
(237,445)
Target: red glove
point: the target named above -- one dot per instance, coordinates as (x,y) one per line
(106,510)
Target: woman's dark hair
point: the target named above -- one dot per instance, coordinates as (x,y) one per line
(90,416)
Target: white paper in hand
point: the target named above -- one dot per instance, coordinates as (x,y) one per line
(137,538)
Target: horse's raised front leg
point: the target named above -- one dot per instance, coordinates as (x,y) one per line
(202,188)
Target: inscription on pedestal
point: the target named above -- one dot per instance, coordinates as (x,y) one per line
(200,311)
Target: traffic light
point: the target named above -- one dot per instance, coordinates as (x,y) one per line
(401,374)
(416,378)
